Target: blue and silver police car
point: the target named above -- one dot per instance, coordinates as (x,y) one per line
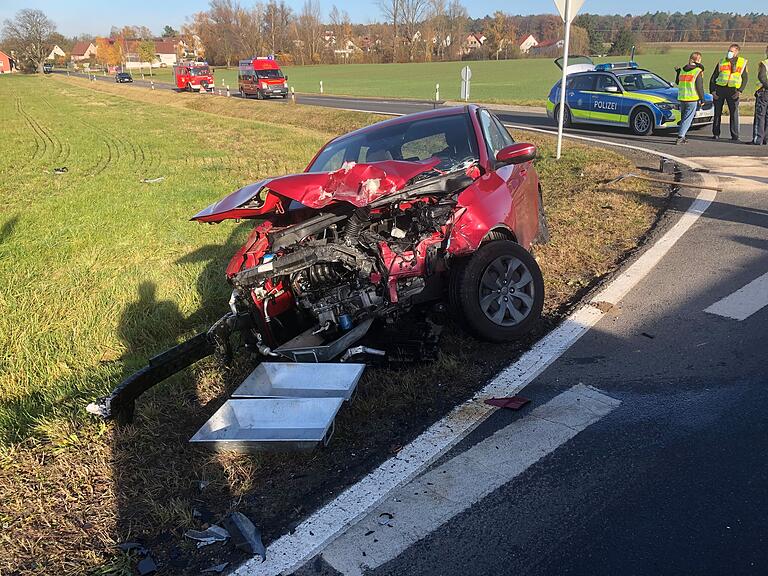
(619,94)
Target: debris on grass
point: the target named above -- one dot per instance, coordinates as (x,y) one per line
(146,566)
(512,402)
(212,535)
(153,180)
(245,535)
(61,170)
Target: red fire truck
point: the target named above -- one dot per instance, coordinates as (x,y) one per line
(261,77)
(193,76)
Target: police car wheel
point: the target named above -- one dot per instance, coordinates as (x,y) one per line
(641,121)
(567,120)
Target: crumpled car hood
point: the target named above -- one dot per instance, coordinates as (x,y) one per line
(358,184)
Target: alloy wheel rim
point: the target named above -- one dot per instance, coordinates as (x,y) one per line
(506,291)
(642,121)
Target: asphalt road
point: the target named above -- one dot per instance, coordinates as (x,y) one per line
(644,448)
(670,477)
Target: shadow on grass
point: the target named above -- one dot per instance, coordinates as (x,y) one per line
(7,229)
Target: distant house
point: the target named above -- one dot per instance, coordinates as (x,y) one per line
(165,54)
(7,65)
(56,52)
(473,42)
(526,43)
(82,51)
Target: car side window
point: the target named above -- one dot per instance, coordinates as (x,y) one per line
(505,135)
(604,82)
(584,82)
(493,136)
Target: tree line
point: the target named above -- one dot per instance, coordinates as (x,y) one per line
(406,31)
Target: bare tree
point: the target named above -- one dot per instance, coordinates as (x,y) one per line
(413,13)
(309,29)
(29,36)
(458,19)
(391,10)
(278,17)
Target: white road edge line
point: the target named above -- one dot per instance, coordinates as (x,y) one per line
(420,507)
(290,551)
(744,302)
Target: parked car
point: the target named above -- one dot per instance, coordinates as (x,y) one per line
(396,217)
(619,94)
(47,68)
(121,77)
(261,77)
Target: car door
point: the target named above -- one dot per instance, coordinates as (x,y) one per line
(578,95)
(606,101)
(517,197)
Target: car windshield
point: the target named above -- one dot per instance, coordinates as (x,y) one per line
(200,71)
(269,73)
(449,138)
(642,81)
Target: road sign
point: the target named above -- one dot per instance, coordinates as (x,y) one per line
(568,10)
(466,76)
(575,7)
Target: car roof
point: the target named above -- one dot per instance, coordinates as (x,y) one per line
(436,113)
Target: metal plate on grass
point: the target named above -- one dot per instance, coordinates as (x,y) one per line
(301,380)
(256,424)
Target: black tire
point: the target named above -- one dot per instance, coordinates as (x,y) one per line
(470,291)
(641,121)
(259,95)
(567,119)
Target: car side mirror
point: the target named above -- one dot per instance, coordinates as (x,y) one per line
(613,89)
(286,77)
(516,153)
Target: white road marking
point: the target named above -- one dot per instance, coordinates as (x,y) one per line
(290,551)
(744,302)
(423,505)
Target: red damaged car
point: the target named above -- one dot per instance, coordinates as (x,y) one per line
(409,212)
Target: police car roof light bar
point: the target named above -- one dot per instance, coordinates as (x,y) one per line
(616,66)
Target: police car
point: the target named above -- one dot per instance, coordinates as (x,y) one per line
(619,94)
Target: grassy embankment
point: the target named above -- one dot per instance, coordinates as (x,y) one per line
(98,271)
(523,82)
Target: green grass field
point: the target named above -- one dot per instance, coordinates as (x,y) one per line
(99,271)
(525,81)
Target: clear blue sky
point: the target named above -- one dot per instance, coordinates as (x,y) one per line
(79,16)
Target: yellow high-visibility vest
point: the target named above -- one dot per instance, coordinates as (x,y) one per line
(731,77)
(686,87)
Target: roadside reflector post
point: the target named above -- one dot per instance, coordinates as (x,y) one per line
(437,93)
(227,90)
(293,95)
(567,9)
(321,86)
(142,76)
(152,83)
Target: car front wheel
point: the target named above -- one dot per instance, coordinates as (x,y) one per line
(567,118)
(498,291)
(641,121)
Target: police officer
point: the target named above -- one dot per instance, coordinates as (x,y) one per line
(690,93)
(760,126)
(727,83)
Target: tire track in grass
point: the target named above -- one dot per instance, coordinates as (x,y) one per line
(40,143)
(56,147)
